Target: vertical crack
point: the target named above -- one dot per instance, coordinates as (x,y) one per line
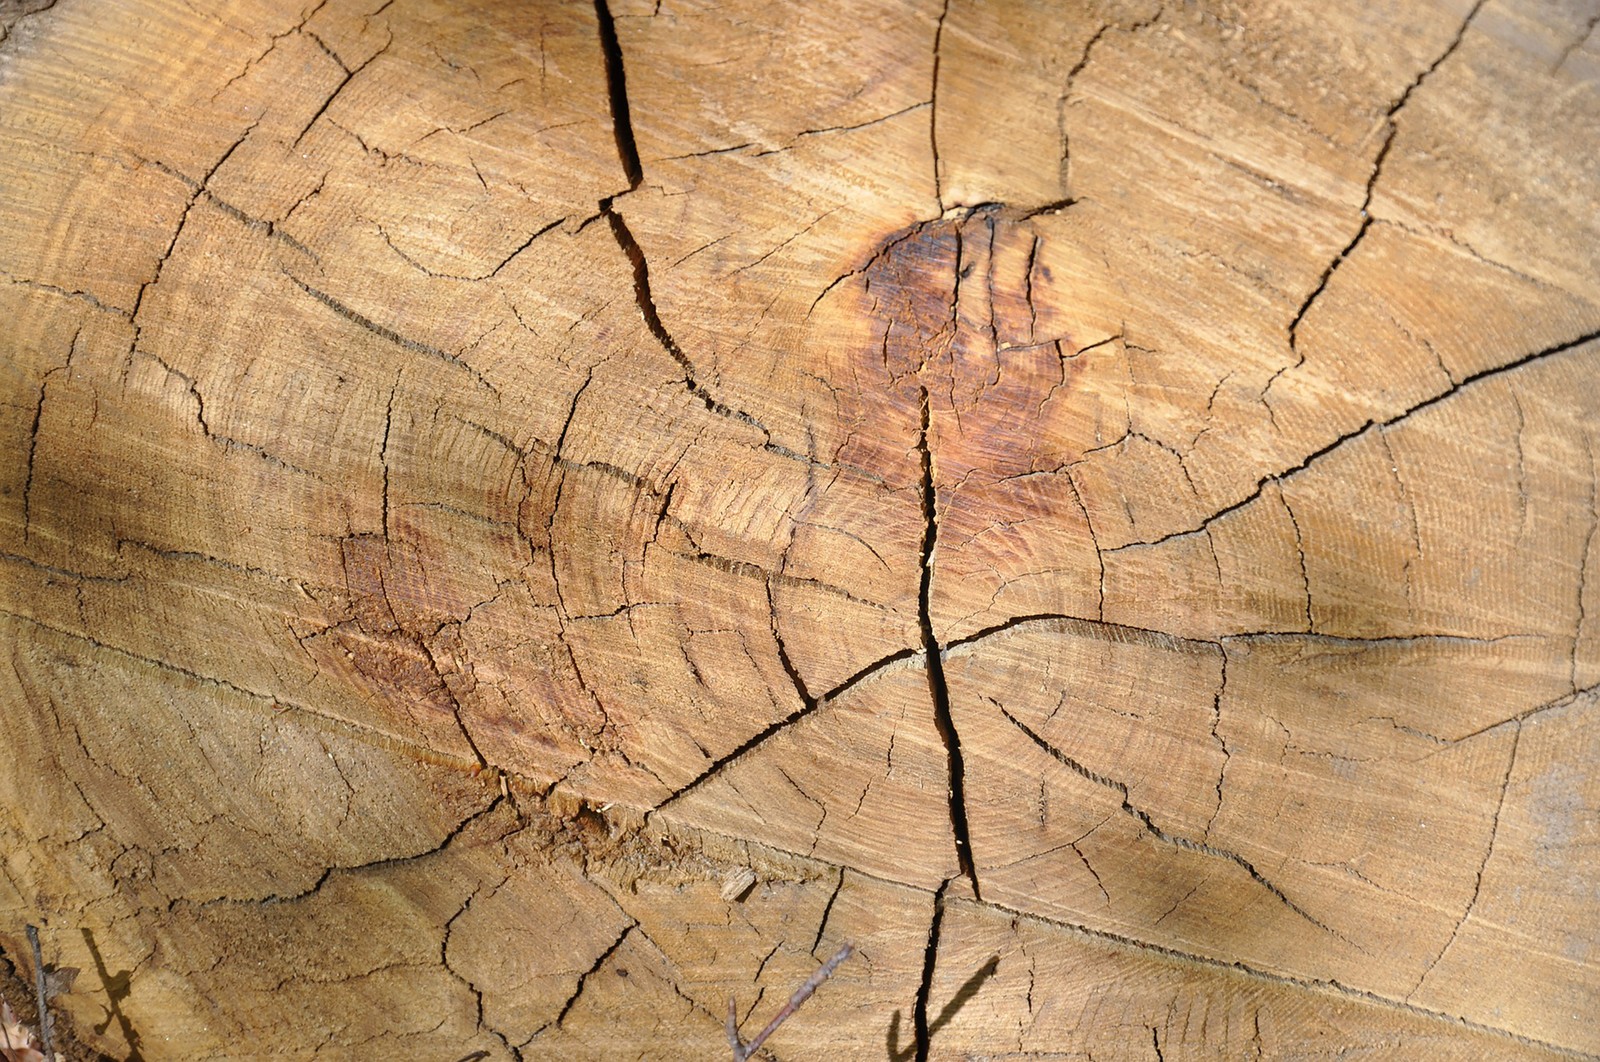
(1583,564)
(827,912)
(628,153)
(1411,512)
(919,1012)
(1477,885)
(652,319)
(1222,742)
(1300,552)
(1522,468)
(383,453)
(1064,174)
(477,993)
(933,108)
(33,449)
(942,719)
(617,82)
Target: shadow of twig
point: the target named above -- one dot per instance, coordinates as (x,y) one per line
(117,987)
(946,1013)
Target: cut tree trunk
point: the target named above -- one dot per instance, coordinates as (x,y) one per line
(1091,504)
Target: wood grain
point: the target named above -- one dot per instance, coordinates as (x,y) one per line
(1090,503)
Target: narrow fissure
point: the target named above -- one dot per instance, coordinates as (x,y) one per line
(919,1011)
(933,106)
(33,450)
(652,319)
(594,968)
(1372,181)
(1488,853)
(807,706)
(1149,825)
(617,83)
(1322,451)
(942,719)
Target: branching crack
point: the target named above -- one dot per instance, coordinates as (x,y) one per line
(1175,840)
(1477,885)
(350,74)
(807,707)
(1300,466)
(1372,181)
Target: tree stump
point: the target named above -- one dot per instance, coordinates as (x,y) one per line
(524,521)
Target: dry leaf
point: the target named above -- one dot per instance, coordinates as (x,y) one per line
(17,1042)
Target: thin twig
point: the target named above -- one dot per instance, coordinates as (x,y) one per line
(38,985)
(733,1032)
(742,1051)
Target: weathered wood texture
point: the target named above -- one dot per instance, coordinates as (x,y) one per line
(1093,503)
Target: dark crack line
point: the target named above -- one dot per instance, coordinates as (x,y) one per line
(583,979)
(1583,561)
(477,993)
(1090,626)
(628,153)
(827,912)
(196,190)
(1260,976)
(65,293)
(617,83)
(1216,735)
(348,869)
(930,957)
(1488,853)
(1370,424)
(652,319)
(355,731)
(384,332)
(1579,41)
(455,704)
(1372,181)
(1143,818)
(1329,987)
(33,450)
(542,230)
(933,106)
(783,651)
(806,708)
(349,76)
(1300,552)
(943,721)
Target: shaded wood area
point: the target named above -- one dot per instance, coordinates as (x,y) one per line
(1091,504)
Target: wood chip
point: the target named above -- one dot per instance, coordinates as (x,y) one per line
(737,882)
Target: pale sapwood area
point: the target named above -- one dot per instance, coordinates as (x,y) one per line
(1090,503)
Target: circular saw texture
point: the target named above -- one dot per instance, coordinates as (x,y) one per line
(519,522)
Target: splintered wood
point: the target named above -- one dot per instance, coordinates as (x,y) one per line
(522,522)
